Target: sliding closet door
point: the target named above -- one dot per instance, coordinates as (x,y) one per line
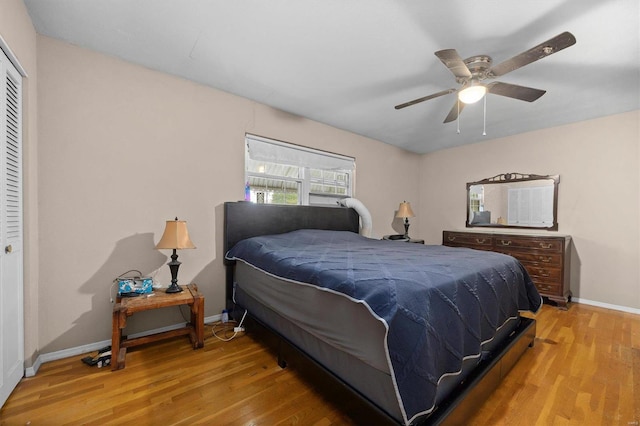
(11,261)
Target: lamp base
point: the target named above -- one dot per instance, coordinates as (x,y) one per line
(174,288)
(406,227)
(173,266)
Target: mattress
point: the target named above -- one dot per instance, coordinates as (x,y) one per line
(438,305)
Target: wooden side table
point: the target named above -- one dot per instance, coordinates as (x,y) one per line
(127,306)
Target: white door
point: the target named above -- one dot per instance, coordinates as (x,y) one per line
(11,263)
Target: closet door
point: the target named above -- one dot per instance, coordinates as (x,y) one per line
(11,253)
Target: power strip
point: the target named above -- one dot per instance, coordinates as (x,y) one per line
(238,329)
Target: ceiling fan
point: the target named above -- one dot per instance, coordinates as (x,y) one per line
(472,73)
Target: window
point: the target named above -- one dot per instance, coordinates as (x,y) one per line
(476,198)
(282,173)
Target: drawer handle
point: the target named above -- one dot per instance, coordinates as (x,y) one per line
(545,259)
(545,246)
(505,243)
(542,273)
(452,238)
(480,241)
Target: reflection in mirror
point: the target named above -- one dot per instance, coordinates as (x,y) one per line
(513,200)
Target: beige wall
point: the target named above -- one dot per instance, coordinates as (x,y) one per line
(599,195)
(18,32)
(123,148)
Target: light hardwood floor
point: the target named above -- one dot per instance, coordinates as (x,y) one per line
(584,369)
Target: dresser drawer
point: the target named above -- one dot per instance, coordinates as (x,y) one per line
(468,239)
(546,289)
(529,243)
(534,258)
(544,274)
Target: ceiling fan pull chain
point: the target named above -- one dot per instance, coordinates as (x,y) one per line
(484,123)
(458,120)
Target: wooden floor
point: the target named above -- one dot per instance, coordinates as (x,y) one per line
(583,370)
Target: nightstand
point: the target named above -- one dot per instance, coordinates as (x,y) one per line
(401,239)
(127,306)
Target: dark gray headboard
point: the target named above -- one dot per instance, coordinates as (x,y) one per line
(244,219)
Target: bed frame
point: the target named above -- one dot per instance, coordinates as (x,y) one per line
(245,219)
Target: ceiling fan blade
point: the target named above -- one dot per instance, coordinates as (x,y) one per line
(542,50)
(454,62)
(455,111)
(514,91)
(426,98)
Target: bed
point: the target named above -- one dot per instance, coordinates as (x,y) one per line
(419,332)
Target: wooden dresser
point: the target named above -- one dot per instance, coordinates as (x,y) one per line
(546,258)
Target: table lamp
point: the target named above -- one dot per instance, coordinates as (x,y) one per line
(404,211)
(175,237)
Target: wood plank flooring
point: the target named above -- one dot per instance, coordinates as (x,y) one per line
(583,370)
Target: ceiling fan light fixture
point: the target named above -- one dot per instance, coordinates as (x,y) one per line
(472,94)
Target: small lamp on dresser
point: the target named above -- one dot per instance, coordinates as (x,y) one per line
(404,211)
(175,237)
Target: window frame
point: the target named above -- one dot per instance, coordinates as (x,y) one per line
(304,179)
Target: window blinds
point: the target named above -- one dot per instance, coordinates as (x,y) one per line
(262,149)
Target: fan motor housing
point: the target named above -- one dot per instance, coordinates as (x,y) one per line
(479,66)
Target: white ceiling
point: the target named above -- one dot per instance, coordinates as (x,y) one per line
(347,63)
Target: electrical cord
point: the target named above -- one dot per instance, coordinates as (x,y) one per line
(226,329)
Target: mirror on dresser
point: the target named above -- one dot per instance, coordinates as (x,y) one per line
(513,200)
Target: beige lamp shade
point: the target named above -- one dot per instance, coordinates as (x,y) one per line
(176,236)
(405,210)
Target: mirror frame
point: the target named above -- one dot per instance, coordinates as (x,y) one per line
(512,178)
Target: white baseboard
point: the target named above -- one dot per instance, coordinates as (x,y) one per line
(606,305)
(31,371)
(91,347)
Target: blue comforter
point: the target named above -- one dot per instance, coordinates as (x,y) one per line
(439,303)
